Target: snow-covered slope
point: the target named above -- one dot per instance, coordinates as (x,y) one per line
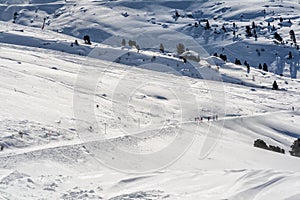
(111,121)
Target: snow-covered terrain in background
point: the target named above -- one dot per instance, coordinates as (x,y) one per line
(51,151)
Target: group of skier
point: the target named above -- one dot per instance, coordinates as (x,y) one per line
(209,118)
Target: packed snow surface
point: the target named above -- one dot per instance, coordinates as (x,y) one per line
(116,121)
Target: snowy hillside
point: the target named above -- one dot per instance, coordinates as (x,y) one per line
(150,109)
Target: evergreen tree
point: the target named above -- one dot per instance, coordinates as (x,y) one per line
(86,39)
(44,22)
(278,37)
(293,37)
(134,43)
(275,86)
(138,47)
(123,42)
(15,17)
(176,14)
(180,49)
(161,48)
(295,148)
(281,19)
(153,58)
(223,57)
(290,55)
(207,25)
(130,43)
(237,62)
(255,34)
(261,144)
(276,149)
(253,25)
(248,31)
(224,29)
(265,67)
